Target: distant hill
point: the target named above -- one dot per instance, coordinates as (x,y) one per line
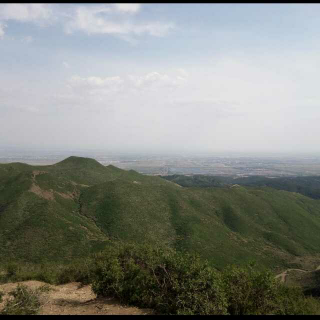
(308,186)
(73,208)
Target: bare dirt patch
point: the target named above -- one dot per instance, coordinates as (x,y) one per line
(65,195)
(69,195)
(74,299)
(282,276)
(49,194)
(46,194)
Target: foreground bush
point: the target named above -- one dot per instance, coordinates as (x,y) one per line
(292,301)
(23,302)
(176,283)
(250,291)
(167,281)
(77,271)
(173,283)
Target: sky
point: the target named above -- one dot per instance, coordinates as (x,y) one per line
(160,77)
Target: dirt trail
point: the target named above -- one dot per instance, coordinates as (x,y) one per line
(74,299)
(46,194)
(49,194)
(284,274)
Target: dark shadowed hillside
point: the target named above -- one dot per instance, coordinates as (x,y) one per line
(308,186)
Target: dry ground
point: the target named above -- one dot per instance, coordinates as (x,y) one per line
(74,299)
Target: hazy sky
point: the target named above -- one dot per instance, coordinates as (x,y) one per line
(161,77)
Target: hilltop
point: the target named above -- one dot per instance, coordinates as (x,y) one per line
(78,206)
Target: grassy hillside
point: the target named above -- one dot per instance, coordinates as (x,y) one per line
(225,225)
(72,208)
(39,218)
(40,213)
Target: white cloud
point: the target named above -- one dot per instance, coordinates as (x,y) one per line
(127,7)
(25,11)
(66,64)
(2,26)
(109,86)
(27,39)
(95,82)
(85,93)
(104,93)
(99,20)
(91,92)
(114,19)
(156,80)
(217,105)
(183,72)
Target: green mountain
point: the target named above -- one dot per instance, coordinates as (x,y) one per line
(73,208)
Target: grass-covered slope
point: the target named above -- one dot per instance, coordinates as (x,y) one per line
(40,212)
(74,207)
(224,225)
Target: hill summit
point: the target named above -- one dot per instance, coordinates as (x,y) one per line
(83,162)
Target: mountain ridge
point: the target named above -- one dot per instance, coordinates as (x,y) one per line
(75,207)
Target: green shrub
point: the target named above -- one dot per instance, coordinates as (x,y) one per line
(76,271)
(24,302)
(250,291)
(292,301)
(167,281)
(178,283)
(12,269)
(15,271)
